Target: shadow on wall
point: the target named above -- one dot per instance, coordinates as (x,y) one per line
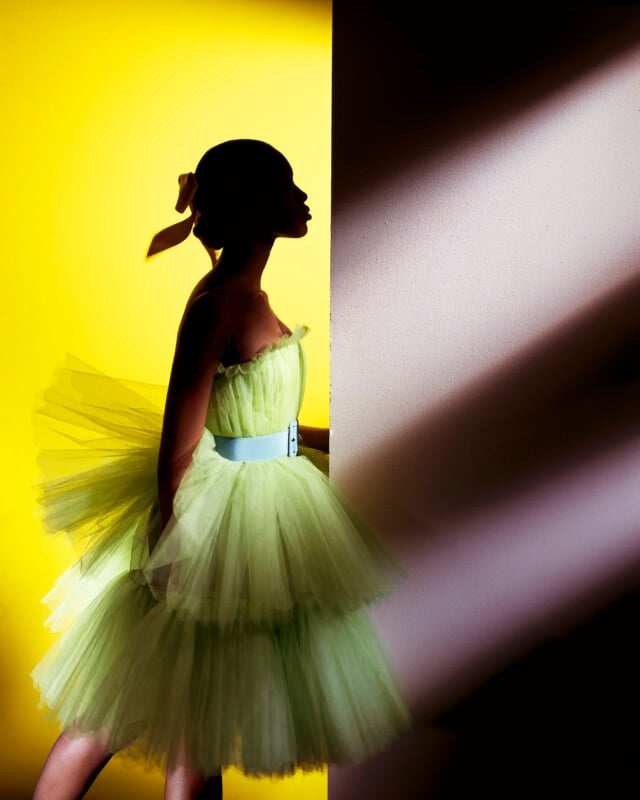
(407,81)
(565,399)
(559,724)
(552,722)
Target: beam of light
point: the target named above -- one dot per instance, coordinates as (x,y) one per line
(464,257)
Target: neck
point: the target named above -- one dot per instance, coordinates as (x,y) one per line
(241,264)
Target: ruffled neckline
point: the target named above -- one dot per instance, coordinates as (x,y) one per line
(283,341)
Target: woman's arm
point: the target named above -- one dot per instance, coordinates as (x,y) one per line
(199,347)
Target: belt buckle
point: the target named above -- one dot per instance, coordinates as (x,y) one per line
(292,444)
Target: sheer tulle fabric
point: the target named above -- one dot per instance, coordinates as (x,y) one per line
(241,638)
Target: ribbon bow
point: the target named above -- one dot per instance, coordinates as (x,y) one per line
(174,234)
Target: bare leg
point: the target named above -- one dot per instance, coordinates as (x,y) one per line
(183,783)
(73,764)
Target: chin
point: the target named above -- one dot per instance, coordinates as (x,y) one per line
(295,233)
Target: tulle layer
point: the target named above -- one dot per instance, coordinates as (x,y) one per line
(268,700)
(249,542)
(98,438)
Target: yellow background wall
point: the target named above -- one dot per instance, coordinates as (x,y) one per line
(105,103)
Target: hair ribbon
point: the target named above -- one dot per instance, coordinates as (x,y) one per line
(174,234)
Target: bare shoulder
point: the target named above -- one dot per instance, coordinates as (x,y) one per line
(202,306)
(203,326)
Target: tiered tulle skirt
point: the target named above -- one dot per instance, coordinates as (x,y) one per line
(242,638)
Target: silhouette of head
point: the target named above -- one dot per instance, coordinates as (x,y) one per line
(246,192)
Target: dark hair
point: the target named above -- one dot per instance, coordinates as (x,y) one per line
(227,175)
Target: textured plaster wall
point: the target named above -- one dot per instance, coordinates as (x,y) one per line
(484,296)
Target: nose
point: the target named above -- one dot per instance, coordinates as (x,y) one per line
(303,195)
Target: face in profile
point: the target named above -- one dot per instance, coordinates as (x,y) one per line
(273,205)
(289,209)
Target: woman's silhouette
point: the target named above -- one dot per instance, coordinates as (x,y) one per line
(216,617)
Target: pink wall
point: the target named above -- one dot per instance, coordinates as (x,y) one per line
(485,342)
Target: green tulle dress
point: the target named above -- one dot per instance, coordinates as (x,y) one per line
(242,640)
